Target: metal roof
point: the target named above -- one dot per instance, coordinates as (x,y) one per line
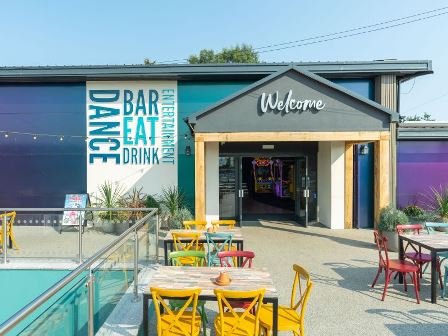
(422,130)
(403,69)
(192,118)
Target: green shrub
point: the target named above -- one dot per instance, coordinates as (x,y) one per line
(414,211)
(390,217)
(173,207)
(109,195)
(439,203)
(151,202)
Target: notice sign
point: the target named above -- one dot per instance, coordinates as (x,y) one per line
(74,201)
(131,133)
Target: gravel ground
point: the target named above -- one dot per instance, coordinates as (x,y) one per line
(342,264)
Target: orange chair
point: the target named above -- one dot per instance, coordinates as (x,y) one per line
(230,322)
(186,241)
(183,321)
(195,225)
(290,318)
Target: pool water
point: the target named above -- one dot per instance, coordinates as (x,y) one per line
(67,311)
(20,287)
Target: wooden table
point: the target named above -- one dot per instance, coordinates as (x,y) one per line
(168,241)
(243,279)
(434,243)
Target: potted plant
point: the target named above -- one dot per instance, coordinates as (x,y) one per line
(173,208)
(390,217)
(109,196)
(439,205)
(415,213)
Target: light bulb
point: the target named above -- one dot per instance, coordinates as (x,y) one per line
(34,137)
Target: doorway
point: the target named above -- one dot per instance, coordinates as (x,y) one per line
(261,187)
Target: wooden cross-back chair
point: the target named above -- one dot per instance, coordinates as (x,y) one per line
(230,322)
(10,218)
(213,247)
(230,223)
(195,225)
(186,241)
(184,321)
(229,258)
(290,318)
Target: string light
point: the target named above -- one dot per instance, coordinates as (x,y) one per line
(34,137)
(6,135)
(61,138)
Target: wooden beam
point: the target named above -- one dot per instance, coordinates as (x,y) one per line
(293,136)
(199,182)
(382,177)
(348,192)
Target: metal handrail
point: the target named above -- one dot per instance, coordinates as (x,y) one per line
(9,324)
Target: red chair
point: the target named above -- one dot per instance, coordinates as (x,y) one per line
(392,266)
(226,256)
(247,256)
(417,257)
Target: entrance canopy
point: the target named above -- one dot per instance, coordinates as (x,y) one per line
(293,100)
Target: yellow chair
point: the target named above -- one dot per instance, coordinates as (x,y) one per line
(195,225)
(183,321)
(230,223)
(231,322)
(10,217)
(186,241)
(290,318)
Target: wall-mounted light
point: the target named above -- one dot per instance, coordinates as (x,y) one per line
(187,150)
(364,150)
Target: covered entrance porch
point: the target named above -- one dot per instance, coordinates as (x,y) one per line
(256,121)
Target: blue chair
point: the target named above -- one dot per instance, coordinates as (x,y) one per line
(430,228)
(214,247)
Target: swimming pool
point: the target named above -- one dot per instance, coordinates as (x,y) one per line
(67,311)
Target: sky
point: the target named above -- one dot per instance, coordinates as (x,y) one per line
(126,32)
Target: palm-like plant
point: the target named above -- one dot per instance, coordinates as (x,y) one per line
(109,196)
(173,207)
(134,199)
(439,202)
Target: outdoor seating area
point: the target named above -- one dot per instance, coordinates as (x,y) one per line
(204,266)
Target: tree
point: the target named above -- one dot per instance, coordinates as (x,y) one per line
(425,117)
(239,54)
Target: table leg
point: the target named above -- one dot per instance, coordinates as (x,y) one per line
(400,256)
(145,315)
(433,276)
(165,252)
(275,317)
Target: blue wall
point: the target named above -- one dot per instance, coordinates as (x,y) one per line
(192,97)
(38,173)
(364,184)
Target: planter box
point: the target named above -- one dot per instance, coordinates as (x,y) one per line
(392,240)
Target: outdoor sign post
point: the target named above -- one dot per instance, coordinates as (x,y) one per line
(74,218)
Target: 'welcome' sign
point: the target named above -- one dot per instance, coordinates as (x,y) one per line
(272,102)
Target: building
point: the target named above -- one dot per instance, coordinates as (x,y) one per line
(308,141)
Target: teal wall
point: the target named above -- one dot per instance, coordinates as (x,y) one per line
(194,96)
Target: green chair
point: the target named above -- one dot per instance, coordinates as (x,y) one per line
(199,260)
(176,258)
(217,242)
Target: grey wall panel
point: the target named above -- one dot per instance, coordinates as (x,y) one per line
(341,112)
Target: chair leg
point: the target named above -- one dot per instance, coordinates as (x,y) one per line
(414,280)
(440,275)
(388,276)
(444,283)
(377,275)
(404,282)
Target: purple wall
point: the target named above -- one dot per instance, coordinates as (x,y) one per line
(420,166)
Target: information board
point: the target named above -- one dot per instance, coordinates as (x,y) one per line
(74,201)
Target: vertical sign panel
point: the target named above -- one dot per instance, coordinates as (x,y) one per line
(132,134)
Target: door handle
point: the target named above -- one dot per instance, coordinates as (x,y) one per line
(241,193)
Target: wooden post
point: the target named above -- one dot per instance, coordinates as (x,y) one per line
(199,169)
(348,192)
(382,175)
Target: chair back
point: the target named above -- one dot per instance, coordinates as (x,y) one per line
(194,225)
(431,226)
(239,319)
(226,256)
(10,218)
(301,290)
(186,241)
(174,327)
(381,244)
(414,228)
(177,258)
(230,223)
(214,247)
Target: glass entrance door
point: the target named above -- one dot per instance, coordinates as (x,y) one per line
(229,200)
(302,191)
